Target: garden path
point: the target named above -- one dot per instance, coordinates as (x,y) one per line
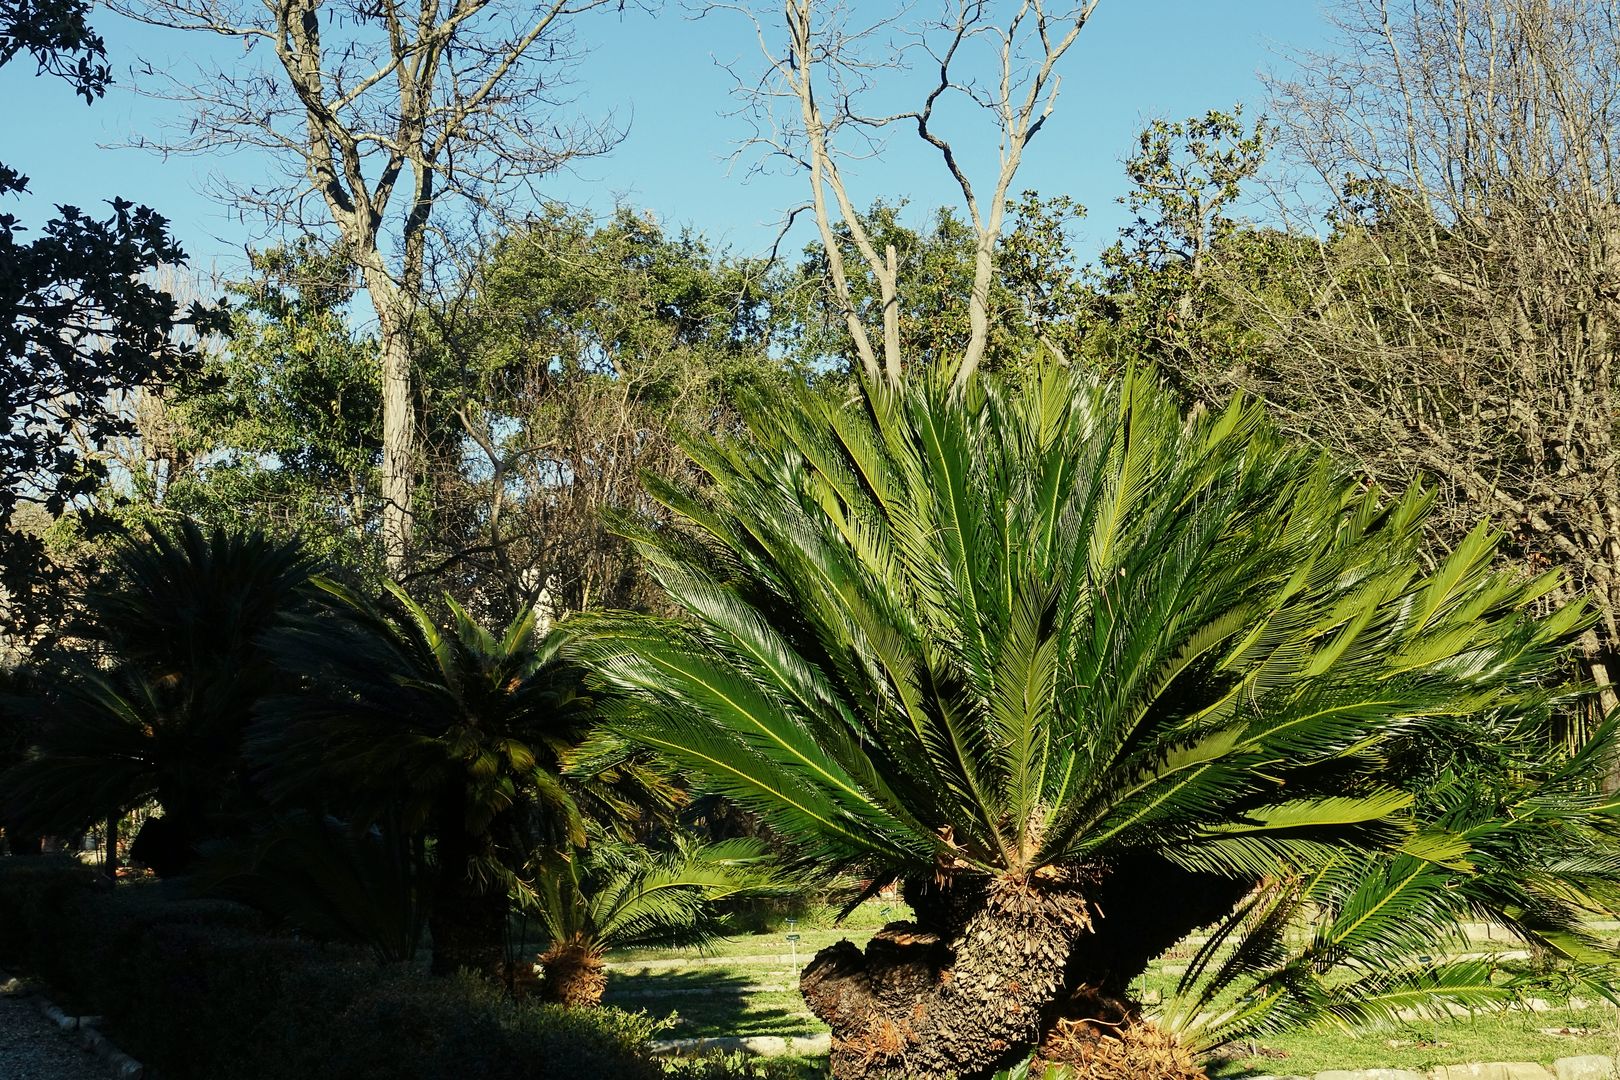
(31,1048)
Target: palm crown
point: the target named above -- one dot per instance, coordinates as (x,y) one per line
(160,708)
(1082,675)
(617,895)
(1008,633)
(449,731)
(454,731)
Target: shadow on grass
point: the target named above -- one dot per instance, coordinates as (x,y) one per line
(712,1004)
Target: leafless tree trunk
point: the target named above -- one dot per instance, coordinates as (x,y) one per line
(382,110)
(810,105)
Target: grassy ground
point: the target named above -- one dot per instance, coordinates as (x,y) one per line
(1511,1036)
(748,986)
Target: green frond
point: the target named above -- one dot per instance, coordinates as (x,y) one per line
(1024,631)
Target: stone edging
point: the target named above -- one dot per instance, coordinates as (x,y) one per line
(760,1045)
(1585,1067)
(87,1027)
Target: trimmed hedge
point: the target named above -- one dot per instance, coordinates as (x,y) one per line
(199,991)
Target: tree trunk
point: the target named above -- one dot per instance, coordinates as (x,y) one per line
(393,305)
(468,925)
(399,447)
(110,863)
(575,975)
(1144,905)
(961,1002)
(469,930)
(990,974)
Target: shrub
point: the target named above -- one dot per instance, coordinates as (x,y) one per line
(199,990)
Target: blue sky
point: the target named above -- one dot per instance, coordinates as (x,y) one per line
(1137,60)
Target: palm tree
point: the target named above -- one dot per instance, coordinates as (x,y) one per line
(156,704)
(1079,673)
(454,734)
(1367,938)
(619,896)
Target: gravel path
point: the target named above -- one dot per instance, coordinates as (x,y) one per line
(31,1048)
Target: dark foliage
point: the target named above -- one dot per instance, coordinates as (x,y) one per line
(156,704)
(58,37)
(197,990)
(77,323)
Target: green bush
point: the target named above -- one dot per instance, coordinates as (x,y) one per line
(200,991)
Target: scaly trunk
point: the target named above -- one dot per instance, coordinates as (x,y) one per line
(959,1002)
(468,925)
(993,973)
(574,975)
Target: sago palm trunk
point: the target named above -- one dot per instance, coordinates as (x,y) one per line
(469,931)
(957,1001)
(574,975)
(989,974)
(1143,906)
(468,924)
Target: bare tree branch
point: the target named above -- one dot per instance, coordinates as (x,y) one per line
(826,71)
(381,111)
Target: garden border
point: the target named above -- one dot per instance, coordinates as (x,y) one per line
(88,1028)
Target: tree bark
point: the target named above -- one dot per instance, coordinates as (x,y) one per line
(399,445)
(398,417)
(575,975)
(110,863)
(469,931)
(958,1002)
(990,973)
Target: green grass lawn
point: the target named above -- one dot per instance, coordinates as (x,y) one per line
(747,986)
(1509,1036)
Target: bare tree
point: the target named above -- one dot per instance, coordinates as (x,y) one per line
(1458,321)
(809,108)
(381,111)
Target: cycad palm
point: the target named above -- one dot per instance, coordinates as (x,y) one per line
(617,895)
(159,706)
(1077,672)
(1366,938)
(451,733)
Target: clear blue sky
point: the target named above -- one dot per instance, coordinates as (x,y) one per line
(1137,60)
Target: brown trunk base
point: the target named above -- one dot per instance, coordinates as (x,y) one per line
(573,975)
(1106,1038)
(962,1002)
(469,931)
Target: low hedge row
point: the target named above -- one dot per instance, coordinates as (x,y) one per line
(199,991)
